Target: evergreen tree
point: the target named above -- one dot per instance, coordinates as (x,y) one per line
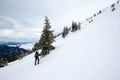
(65,32)
(46,40)
(3,62)
(36,47)
(79,26)
(75,26)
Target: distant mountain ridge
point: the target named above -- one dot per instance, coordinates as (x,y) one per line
(9,54)
(7,50)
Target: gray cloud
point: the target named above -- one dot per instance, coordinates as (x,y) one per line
(5,24)
(6,39)
(36,8)
(26,17)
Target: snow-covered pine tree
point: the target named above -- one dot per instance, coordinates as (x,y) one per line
(46,39)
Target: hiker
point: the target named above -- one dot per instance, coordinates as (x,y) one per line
(36,58)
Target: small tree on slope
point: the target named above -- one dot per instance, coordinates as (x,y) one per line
(46,40)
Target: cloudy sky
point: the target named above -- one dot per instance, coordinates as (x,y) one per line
(22,20)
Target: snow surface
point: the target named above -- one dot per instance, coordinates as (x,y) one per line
(93,53)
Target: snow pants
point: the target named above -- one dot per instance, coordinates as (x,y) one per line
(37,60)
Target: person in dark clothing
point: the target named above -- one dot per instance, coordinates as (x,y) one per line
(36,58)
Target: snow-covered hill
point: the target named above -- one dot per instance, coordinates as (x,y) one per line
(93,53)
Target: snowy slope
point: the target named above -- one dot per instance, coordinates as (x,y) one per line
(90,54)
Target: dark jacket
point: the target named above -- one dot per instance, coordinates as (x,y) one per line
(36,54)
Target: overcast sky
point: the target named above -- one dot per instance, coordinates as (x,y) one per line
(22,20)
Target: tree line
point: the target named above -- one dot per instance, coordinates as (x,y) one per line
(47,37)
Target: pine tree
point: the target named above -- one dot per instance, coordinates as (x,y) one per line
(65,32)
(46,40)
(79,26)
(75,26)
(3,62)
